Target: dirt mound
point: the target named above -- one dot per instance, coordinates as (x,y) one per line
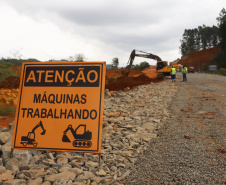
(148,68)
(151,72)
(115,81)
(199,58)
(119,72)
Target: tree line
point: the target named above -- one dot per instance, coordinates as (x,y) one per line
(10,68)
(220,57)
(204,37)
(139,67)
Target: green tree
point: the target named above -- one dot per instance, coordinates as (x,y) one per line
(141,66)
(6,70)
(13,62)
(190,41)
(223,36)
(115,63)
(220,57)
(79,57)
(222,17)
(221,22)
(32,60)
(135,67)
(144,65)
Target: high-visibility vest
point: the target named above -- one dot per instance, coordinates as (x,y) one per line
(185,70)
(173,71)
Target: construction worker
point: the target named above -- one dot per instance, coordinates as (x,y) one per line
(173,74)
(184,72)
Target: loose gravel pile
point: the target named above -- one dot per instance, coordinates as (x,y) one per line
(130,122)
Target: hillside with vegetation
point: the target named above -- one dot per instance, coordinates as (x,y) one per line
(205,46)
(200,59)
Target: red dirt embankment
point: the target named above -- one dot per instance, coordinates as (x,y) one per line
(117,80)
(199,58)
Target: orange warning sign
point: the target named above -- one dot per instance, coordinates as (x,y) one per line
(60,106)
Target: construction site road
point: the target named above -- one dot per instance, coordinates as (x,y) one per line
(191,144)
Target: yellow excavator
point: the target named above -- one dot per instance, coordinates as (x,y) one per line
(162,67)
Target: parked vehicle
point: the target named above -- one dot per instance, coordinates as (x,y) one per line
(191,69)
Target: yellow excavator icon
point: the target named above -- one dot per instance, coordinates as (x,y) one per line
(30,138)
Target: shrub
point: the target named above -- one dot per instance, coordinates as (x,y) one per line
(223,71)
(7,110)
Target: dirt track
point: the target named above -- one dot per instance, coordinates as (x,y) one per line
(191,147)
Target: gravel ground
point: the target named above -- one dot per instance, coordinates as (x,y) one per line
(191,145)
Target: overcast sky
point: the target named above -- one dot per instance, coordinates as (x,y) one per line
(100,29)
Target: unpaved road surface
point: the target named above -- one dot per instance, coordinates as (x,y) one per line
(191,145)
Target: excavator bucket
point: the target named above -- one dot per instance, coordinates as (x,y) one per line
(44,131)
(65,138)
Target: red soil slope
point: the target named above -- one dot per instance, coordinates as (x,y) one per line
(117,80)
(199,58)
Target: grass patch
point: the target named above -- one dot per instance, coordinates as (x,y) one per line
(222,72)
(7,110)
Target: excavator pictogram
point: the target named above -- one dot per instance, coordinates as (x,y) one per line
(30,138)
(81,140)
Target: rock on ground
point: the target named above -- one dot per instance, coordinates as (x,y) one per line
(131,120)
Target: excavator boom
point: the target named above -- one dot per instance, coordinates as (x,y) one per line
(162,67)
(39,125)
(145,55)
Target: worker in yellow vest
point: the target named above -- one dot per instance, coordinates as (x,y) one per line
(184,71)
(173,74)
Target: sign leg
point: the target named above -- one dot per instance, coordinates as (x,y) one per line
(99,157)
